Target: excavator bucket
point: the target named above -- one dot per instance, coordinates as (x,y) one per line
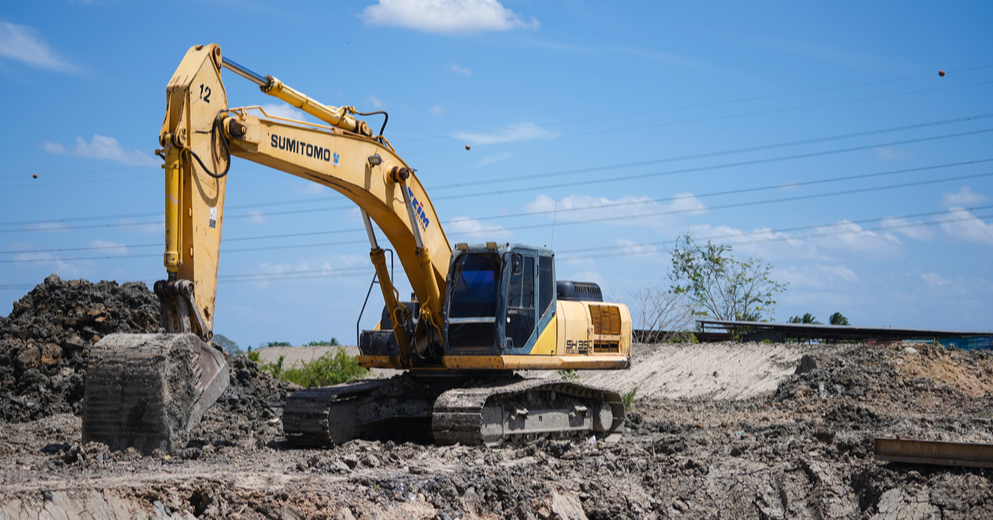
(148,391)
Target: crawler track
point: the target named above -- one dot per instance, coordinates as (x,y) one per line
(501,410)
(461,409)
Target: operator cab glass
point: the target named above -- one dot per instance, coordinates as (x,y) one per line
(472,310)
(520,301)
(499,299)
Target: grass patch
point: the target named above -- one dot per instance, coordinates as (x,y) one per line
(628,399)
(330,369)
(568,374)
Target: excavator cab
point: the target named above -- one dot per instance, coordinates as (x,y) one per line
(500,298)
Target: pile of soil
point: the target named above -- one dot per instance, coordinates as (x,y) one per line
(46,339)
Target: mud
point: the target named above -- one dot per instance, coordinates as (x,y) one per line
(803,450)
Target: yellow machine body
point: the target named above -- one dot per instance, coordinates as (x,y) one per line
(199,135)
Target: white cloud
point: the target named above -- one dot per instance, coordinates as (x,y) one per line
(933,280)
(966,227)
(820,244)
(816,276)
(630,247)
(310,188)
(889,153)
(51,147)
(915,230)
(629,210)
(257,217)
(19,42)
(446,16)
(513,134)
(474,229)
(113,247)
(38,259)
(465,71)
(839,271)
(102,147)
(307,270)
(284,110)
(963,197)
(144,227)
(849,236)
(437,110)
(50,226)
(376,102)
(485,161)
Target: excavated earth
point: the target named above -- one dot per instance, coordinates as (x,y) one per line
(801,449)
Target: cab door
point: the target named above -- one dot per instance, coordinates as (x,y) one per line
(520,301)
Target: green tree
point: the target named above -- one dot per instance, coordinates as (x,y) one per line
(806,318)
(838,319)
(323,343)
(227,345)
(722,286)
(278,344)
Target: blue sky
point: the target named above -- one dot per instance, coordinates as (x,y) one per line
(623,123)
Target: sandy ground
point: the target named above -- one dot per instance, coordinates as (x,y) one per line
(297,355)
(714,370)
(711,370)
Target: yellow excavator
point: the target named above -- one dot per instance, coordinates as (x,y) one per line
(480,312)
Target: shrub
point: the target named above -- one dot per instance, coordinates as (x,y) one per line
(628,399)
(568,374)
(330,369)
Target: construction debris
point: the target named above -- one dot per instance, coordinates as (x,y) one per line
(914,451)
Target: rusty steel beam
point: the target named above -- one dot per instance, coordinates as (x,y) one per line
(940,453)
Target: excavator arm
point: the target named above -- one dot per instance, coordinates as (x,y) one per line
(148,391)
(199,136)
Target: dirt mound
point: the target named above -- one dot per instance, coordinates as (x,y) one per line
(44,346)
(45,339)
(248,411)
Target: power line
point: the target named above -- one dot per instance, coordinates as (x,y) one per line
(700,120)
(535,213)
(612,116)
(77,172)
(608,167)
(322,273)
(797,228)
(710,168)
(718,103)
(707,155)
(759,202)
(737,191)
(249,277)
(782,238)
(625,129)
(567,223)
